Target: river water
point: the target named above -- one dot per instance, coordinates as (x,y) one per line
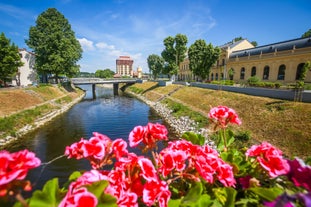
(114,116)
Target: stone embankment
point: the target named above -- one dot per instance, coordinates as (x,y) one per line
(40,121)
(178,125)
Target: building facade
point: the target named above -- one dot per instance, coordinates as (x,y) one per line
(278,62)
(26,74)
(124,66)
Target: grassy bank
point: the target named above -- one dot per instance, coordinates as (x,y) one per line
(21,107)
(284,124)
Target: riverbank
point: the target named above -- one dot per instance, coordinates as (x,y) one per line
(284,124)
(23,110)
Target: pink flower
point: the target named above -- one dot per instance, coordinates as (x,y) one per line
(300,173)
(119,147)
(156,191)
(15,166)
(79,198)
(136,135)
(147,169)
(148,135)
(224,115)
(270,158)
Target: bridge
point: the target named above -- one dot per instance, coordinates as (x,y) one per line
(94,81)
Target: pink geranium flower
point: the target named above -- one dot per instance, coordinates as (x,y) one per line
(16,165)
(148,135)
(223,115)
(270,158)
(79,198)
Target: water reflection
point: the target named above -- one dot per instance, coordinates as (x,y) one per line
(114,116)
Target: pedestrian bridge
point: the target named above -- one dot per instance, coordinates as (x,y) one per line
(94,81)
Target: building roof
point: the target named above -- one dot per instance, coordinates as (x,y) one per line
(231,44)
(275,47)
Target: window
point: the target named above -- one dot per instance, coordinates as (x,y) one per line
(216,76)
(242,74)
(281,73)
(253,72)
(212,76)
(299,70)
(221,76)
(266,71)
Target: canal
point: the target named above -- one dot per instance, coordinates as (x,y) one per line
(114,116)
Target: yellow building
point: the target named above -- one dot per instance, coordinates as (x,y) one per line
(281,62)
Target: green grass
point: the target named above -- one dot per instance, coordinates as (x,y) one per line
(9,125)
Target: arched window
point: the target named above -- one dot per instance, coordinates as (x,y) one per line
(253,72)
(212,76)
(281,73)
(221,76)
(299,70)
(216,76)
(242,74)
(266,71)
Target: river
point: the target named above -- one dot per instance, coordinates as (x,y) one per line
(114,116)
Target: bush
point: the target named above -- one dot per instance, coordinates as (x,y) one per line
(253,80)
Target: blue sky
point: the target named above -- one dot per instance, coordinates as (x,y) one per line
(107,29)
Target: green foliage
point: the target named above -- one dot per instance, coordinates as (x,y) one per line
(9,58)
(306,34)
(9,125)
(155,64)
(194,138)
(56,47)
(223,82)
(174,53)
(253,80)
(136,90)
(107,73)
(202,57)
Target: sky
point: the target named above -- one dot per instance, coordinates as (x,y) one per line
(107,29)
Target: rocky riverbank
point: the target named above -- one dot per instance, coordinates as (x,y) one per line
(180,125)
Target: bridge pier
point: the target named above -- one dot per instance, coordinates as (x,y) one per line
(93,90)
(116,89)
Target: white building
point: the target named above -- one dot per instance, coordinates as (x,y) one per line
(26,74)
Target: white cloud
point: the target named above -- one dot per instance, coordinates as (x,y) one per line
(103,45)
(86,44)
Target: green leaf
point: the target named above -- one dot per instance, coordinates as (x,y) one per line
(97,189)
(194,138)
(174,203)
(268,194)
(226,196)
(75,175)
(193,195)
(50,196)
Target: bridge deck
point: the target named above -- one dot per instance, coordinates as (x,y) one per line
(84,81)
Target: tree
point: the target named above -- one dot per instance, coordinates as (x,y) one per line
(9,58)
(306,34)
(174,53)
(55,45)
(155,64)
(202,57)
(107,73)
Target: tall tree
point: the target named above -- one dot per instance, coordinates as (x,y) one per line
(202,57)
(174,53)
(155,64)
(107,73)
(306,34)
(55,45)
(9,58)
